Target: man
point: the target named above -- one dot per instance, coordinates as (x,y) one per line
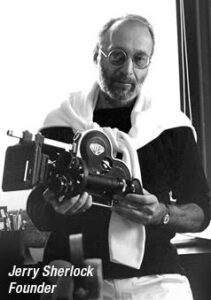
(175,197)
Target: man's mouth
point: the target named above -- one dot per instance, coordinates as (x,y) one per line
(122,84)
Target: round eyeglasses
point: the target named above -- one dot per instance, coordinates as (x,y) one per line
(117,57)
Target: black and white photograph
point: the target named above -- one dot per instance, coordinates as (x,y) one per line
(105,150)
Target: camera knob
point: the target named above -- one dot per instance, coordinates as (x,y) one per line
(106,164)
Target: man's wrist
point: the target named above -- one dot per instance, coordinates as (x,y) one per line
(163,215)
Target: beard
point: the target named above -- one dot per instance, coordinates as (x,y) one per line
(118,86)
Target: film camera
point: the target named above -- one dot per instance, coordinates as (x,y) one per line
(85,165)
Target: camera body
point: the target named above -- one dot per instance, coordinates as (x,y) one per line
(85,165)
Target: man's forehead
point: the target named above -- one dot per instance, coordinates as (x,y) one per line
(129,31)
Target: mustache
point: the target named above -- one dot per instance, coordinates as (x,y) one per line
(124,79)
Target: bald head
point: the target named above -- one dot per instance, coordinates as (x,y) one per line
(112,26)
(128,34)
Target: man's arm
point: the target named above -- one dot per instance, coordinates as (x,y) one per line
(191,211)
(146,209)
(186,218)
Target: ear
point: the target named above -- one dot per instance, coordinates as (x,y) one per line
(95,54)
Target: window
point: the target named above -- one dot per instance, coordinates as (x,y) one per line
(194,28)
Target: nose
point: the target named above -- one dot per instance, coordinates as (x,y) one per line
(128,68)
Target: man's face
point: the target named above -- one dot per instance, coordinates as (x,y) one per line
(122,84)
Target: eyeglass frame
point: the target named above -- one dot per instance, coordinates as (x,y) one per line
(126,56)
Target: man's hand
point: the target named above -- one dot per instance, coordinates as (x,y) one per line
(144,209)
(69,206)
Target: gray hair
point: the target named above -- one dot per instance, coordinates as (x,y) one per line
(128,17)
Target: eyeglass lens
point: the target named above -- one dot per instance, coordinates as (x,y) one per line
(118,57)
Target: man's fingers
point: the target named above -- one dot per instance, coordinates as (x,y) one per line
(134,200)
(81,205)
(138,208)
(132,214)
(85,204)
(70,206)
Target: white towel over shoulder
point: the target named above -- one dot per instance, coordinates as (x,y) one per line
(126,238)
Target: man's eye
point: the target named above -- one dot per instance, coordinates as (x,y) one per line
(140,59)
(117,57)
